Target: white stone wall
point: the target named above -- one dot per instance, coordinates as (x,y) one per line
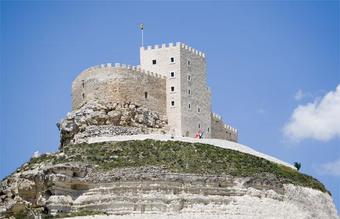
(164,66)
(185,121)
(197,117)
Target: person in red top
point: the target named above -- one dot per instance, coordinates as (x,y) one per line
(197,135)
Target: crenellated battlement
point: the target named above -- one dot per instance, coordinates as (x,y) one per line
(118,82)
(217,116)
(172,45)
(154,84)
(226,126)
(136,69)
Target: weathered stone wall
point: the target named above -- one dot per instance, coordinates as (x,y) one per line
(193,78)
(121,83)
(178,90)
(220,130)
(184,120)
(164,66)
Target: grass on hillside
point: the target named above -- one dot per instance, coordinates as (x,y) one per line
(182,157)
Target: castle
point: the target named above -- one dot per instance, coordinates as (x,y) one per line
(170,80)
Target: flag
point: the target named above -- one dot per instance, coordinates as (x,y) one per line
(141,26)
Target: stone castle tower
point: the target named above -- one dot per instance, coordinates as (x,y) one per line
(170,80)
(188,98)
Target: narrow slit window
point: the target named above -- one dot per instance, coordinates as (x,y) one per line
(189,77)
(172,60)
(189,106)
(199,125)
(154,62)
(189,92)
(172,103)
(172,88)
(189,65)
(146,95)
(198,109)
(172,74)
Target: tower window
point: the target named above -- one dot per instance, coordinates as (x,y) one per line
(172,60)
(189,106)
(189,63)
(172,74)
(172,103)
(199,125)
(146,95)
(189,92)
(198,109)
(208,129)
(172,88)
(83,83)
(154,62)
(83,95)
(189,77)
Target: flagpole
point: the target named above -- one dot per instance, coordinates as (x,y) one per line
(142,37)
(141,26)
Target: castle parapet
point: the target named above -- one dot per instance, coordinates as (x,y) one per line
(220,130)
(135,69)
(120,83)
(172,45)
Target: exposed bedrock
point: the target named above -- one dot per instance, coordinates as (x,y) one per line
(66,188)
(110,119)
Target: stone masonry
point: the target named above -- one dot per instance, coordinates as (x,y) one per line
(171,80)
(188,96)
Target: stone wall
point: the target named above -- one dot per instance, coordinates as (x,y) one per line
(220,130)
(184,120)
(193,78)
(120,83)
(162,55)
(178,90)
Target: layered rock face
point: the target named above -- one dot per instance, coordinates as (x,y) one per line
(66,188)
(157,179)
(109,119)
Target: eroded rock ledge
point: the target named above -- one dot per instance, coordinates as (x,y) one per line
(109,119)
(66,188)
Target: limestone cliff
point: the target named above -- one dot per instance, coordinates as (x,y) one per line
(133,179)
(109,119)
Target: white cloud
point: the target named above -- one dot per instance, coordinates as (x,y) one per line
(331,168)
(318,120)
(299,95)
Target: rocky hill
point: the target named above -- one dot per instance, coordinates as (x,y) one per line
(160,179)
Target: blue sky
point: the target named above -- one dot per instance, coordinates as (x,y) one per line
(265,59)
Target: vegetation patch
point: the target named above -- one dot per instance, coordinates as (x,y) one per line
(81,212)
(182,157)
